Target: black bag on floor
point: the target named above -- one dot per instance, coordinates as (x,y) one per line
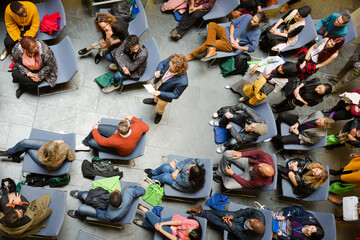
(122,10)
(90,172)
(7,186)
(37,180)
(241,65)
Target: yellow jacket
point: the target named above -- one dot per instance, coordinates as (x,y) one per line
(252,90)
(354,177)
(13,21)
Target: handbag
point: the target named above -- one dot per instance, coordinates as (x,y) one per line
(332,140)
(146,182)
(154,194)
(350,209)
(340,188)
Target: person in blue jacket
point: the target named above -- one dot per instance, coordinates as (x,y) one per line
(170,82)
(333,25)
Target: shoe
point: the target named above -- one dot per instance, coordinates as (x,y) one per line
(334,200)
(284,8)
(111,88)
(215,167)
(83,51)
(74,194)
(196,211)
(273,108)
(97,58)
(227,87)
(82,147)
(242,99)
(214,123)
(217,178)
(113,67)
(221,149)
(175,34)
(190,57)
(19,92)
(157,118)
(148,171)
(330,78)
(210,55)
(149,101)
(215,115)
(4,54)
(71,213)
(5,153)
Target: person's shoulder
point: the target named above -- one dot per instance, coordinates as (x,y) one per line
(28,4)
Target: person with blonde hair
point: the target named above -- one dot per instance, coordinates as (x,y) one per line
(113,30)
(170,82)
(304,176)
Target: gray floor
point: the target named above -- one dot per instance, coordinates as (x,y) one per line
(184,129)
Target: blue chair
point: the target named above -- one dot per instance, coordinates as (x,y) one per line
(169,212)
(30,166)
(305,36)
(327,222)
(129,216)
(152,62)
(321,194)
(268,220)
(58,205)
(221,9)
(203,192)
(67,63)
(49,7)
(284,131)
(275,6)
(138,151)
(351,35)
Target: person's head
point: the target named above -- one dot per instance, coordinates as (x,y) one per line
(316,175)
(287,68)
(342,20)
(29,44)
(51,151)
(302,13)
(104,22)
(323,89)
(333,44)
(266,170)
(258,18)
(133,43)
(257,226)
(178,64)
(115,199)
(18,8)
(194,233)
(313,232)
(259,128)
(123,127)
(326,122)
(12,218)
(196,175)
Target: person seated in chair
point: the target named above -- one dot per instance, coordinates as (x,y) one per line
(129,59)
(113,30)
(176,227)
(349,136)
(257,166)
(305,176)
(187,175)
(243,34)
(21,19)
(333,25)
(252,124)
(112,207)
(243,224)
(303,129)
(46,154)
(118,140)
(14,206)
(34,63)
(303,224)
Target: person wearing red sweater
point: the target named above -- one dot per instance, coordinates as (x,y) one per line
(121,139)
(257,166)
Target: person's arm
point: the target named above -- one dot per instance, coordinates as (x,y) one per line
(140,124)
(115,41)
(171,223)
(292,178)
(162,64)
(323,21)
(35,23)
(49,62)
(208,5)
(327,61)
(176,93)
(159,228)
(106,142)
(231,33)
(70,155)
(138,62)
(241,138)
(297,95)
(11,27)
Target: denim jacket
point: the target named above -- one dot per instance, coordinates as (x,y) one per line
(181,182)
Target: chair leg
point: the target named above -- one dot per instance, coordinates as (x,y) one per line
(121,88)
(68,90)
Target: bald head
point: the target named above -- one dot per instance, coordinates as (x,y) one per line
(257,226)
(266,170)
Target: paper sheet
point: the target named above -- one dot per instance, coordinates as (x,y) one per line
(149,87)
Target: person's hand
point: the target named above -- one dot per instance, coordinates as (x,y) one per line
(253,70)
(126,71)
(302,65)
(259,9)
(95,125)
(229,217)
(227,221)
(354,155)
(129,117)
(235,154)
(295,167)
(157,74)
(272,30)
(351,138)
(156,93)
(229,170)
(232,40)
(229,115)
(103,44)
(295,126)
(280,218)
(172,164)
(174,174)
(109,34)
(36,78)
(158,226)
(17,198)
(235,44)
(11,197)
(353,132)
(228,126)
(279,233)
(357,109)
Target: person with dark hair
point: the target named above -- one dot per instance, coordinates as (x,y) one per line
(170,82)
(305,176)
(21,19)
(113,30)
(34,63)
(129,60)
(349,136)
(308,93)
(243,224)
(333,25)
(243,34)
(187,175)
(304,225)
(176,227)
(307,129)
(344,110)
(118,140)
(252,5)
(285,32)
(118,203)
(14,206)
(195,10)
(47,154)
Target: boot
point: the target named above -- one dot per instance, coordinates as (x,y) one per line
(5,153)
(195,211)
(334,200)
(211,54)
(190,57)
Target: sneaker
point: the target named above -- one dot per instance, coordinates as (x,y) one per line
(97,58)
(330,78)
(217,178)
(227,87)
(5,153)
(242,99)
(214,123)
(113,67)
(82,147)
(83,51)
(71,213)
(175,34)
(148,171)
(221,149)
(74,194)
(215,115)
(111,88)
(4,54)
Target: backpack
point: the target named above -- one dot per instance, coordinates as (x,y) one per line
(241,65)
(154,194)
(122,10)
(50,23)
(37,180)
(102,166)
(7,186)
(59,181)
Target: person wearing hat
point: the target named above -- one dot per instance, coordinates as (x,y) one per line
(251,123)
(304,129)
(285,32)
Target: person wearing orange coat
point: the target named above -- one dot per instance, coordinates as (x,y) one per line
(351,172)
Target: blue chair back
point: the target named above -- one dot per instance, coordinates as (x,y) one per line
(49,7)
(221,9)
(140,24)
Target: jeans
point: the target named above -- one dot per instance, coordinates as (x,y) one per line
(30,146)
(105,131)
(163,174)
(231,143)
(151,219)
(85,210)
(117,77)
(215,217)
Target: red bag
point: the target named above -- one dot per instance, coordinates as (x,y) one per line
(50,23)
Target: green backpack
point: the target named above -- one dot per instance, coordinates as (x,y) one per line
(153,195)
(106,80)
(59,181)
(340,188)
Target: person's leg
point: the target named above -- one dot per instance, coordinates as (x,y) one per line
(230,144)
(86,211)
(237,120)
(82,195)
(289,119)
(341,115)
(165,168)
(109,57)
(285,105)
(290,139)
(25,82)
(223,121)
(248,5)
(346,68)
(105,130)
(344,81)
(188,20)
(215,217)
(9,43)
(160,105)
(292,2)
(153,219)
(34,157)
(93,144)
(225,161)
(25,145)
(164,178)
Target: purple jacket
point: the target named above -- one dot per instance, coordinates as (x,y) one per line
(207,4)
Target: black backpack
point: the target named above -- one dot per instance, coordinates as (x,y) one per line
(7,186)
(241,64)
(37,180)
(122,10)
